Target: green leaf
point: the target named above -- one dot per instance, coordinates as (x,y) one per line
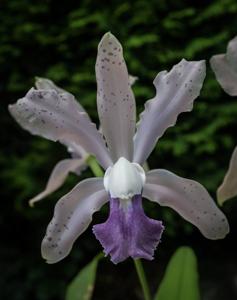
(82,286)
(181,277)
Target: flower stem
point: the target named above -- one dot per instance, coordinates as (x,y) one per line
(94,166)
(142,279)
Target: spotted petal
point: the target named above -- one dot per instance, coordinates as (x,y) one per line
(59,175)
(115,99)
(176,91)
(228,188)
(190,199)
(72,215)
(47,84)
(225,68)
(56,117)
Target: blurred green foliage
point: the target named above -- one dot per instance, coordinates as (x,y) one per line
(59,40)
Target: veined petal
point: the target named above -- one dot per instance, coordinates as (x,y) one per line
(228,188)
(56,117)
(72,215)
(47,84)
(115,99)
(190,199)
(176,91)
(128,231)
(225,68)
(59,175)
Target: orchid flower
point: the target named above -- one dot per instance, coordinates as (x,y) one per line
(128,232)
(225,69)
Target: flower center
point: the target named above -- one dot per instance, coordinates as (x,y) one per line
(124,179)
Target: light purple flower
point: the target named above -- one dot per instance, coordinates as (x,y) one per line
(128,231)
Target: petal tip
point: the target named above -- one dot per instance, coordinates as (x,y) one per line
(37,78)
(220,231)
(49,253)
(201,63)
(38,81)
(31,203)
(10,108)
(109,41)
(220,199)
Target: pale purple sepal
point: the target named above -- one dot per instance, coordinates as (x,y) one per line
(128,231)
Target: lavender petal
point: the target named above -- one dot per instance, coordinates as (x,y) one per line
(72,215)
(176,91)
(188,198)
(59,175)
(57,117)
(115,99)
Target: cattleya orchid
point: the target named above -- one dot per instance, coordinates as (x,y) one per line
(225,69)
(128,231)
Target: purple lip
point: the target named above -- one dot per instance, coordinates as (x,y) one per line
(128,231)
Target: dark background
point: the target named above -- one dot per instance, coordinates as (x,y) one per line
(59,40)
